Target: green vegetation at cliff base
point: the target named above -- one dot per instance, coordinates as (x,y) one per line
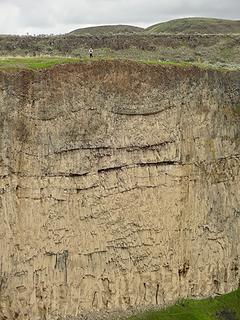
(225,307)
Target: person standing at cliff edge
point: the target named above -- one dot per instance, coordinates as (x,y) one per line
(91,53)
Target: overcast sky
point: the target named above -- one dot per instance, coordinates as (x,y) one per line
(61,16)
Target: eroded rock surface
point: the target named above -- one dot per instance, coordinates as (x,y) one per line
(119,187)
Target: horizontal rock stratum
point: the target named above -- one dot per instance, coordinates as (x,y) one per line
(120,187)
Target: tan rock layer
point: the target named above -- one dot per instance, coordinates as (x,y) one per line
(119,187)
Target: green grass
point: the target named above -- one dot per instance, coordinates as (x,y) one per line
(33,63)
(185,64)
(38,63)
(225,307)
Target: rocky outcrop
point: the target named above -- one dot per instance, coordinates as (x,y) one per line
(119,187)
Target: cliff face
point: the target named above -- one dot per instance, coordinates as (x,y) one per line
(119,187)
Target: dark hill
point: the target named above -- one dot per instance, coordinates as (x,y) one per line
(106,30)
(196,25)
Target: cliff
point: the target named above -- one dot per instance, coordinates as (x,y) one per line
(119,187)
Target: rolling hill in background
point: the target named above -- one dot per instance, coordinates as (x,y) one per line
(184,26)
(196,25)
(106,30)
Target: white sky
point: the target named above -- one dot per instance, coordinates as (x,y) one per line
(61,16)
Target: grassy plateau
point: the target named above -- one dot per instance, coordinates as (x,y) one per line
(39,63)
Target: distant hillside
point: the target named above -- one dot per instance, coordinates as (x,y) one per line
(109,29)
(196,25)
(224,49)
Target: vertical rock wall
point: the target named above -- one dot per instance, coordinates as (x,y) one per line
(119,187)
